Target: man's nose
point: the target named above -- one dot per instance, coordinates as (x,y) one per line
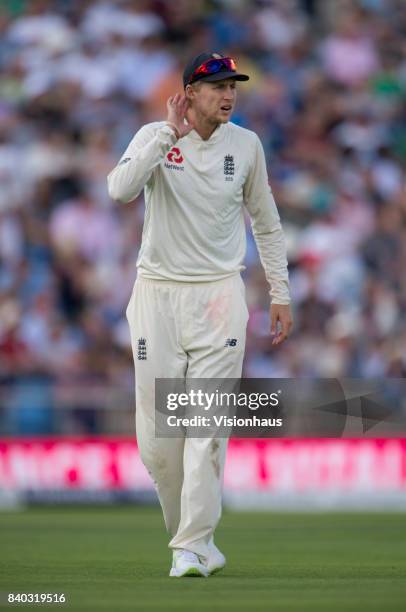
(229,94)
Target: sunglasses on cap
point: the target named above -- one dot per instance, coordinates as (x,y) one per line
(213,66)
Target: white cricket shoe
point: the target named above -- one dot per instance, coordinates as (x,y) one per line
(216,561)
(186,563)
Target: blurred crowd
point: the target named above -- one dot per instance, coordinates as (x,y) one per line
(327,98)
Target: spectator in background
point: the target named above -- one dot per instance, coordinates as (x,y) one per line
(348,53)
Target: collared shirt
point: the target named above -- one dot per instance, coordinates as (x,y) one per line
(195,193)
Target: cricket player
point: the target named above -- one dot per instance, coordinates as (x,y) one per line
(187,313)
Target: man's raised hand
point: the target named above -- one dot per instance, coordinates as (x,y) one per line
(177,106)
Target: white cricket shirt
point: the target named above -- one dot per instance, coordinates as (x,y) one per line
(195,193)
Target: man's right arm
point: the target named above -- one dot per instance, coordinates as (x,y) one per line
(135,168)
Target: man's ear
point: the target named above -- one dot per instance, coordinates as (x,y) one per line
(189,92)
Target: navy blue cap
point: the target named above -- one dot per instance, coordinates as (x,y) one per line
(224,73)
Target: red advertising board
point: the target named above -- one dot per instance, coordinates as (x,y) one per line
(275,466)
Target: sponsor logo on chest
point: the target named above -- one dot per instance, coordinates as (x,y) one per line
(174,160)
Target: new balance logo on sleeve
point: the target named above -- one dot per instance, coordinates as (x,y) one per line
(231,342)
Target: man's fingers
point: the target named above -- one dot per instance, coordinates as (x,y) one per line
(284,332)
(281,323)
(274,319)
(286,327)
(183,105)
(173,100)
(279,338)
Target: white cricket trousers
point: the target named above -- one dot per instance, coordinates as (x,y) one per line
(185,330)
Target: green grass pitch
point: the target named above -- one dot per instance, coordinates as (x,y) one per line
(117,559)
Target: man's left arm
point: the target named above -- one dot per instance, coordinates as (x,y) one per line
(270,241)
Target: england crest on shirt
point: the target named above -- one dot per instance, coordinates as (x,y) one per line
(229,167)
